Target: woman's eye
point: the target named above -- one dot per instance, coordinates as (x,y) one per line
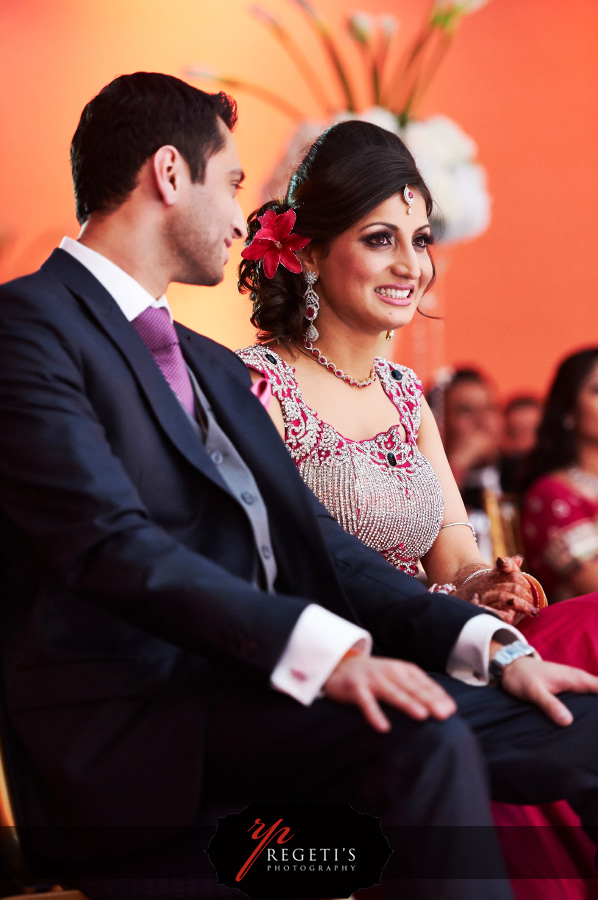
(423,241)
(380,239)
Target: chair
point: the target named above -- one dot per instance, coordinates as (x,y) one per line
(18,863)
(503,512)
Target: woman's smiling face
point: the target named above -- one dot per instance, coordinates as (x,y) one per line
(373,276)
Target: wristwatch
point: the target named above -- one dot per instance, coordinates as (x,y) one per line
(505,656)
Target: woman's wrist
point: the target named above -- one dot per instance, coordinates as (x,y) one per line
(468,573)
(475,574)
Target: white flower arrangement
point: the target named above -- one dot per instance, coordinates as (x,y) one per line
(445,155)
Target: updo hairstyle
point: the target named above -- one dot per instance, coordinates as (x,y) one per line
(351,169)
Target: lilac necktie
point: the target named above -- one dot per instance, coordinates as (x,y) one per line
(158,333)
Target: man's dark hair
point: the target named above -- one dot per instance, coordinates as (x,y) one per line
(128,121)
(522,401)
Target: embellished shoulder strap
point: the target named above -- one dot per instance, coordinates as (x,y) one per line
(269,364)
(302,426)
(405,390)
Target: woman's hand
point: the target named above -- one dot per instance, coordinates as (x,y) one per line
(504,590)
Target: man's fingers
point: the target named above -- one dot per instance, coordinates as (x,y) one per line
(539,682)
(554,708)
(366,682)
(417,690)
(372,711)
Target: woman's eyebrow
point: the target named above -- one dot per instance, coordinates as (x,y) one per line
(385,224)
(392,227)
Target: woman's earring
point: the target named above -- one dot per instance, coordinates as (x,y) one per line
(390,335)
(568,423)
(312,306)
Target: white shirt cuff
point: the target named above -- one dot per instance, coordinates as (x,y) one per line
(317,644)
(470,656)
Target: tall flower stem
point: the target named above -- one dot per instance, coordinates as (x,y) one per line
(249,87)
(301,61)
(325,36)
(379,64)
(442,44)
(406,72)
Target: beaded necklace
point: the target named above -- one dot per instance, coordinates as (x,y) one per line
(324,361)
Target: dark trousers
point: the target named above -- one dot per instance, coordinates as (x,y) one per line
(430,783)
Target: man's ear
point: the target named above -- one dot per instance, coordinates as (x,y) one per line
(168,167)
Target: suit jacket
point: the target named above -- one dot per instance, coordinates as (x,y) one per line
(127,561)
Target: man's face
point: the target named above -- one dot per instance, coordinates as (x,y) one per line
(208,218)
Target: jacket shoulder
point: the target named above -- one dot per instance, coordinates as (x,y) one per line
(213,351)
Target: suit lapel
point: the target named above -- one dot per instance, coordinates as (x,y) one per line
(241,416)
(109,318)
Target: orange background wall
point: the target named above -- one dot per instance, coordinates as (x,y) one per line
(520,79)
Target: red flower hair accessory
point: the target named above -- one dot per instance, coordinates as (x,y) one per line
(274,243)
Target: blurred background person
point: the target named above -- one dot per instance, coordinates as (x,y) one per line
(472,432)
(469,418)
(521,418)
(559,517)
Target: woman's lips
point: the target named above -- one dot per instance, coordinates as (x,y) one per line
(398,295)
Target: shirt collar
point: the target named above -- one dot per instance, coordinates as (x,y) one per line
(128,293)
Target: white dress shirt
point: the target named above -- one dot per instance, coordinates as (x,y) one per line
(320,638)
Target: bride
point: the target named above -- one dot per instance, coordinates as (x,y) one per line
(342,261)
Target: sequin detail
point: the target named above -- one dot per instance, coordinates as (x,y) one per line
(382,490)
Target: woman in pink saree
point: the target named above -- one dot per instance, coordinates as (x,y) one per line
(340,262)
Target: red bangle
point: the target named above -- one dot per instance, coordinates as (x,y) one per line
(540,600)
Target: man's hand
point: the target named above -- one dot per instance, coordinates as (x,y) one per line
(537,682)
(364,680)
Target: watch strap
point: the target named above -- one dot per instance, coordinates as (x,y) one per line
(505,656)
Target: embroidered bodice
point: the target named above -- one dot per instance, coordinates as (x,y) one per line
(382,490)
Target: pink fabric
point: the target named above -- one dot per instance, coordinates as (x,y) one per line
(263,392)
(158,333)
(566,853)
(559,527)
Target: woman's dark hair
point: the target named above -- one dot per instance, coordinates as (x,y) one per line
(351,169)
(128,121)
(555,444)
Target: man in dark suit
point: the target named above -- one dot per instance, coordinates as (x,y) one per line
(183,621)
